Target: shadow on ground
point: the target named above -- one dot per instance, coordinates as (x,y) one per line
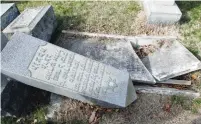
(185,7)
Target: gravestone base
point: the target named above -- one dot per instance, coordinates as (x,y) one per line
(161,14)
(39,22)
(18,99)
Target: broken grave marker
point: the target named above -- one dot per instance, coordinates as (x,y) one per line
(52,68)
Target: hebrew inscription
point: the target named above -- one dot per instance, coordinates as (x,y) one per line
(63,68)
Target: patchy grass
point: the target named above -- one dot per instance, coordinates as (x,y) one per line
(37,117)
(187,103)
(196,104)
(190,30)
(190,27)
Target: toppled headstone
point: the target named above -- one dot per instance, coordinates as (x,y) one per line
(39,22)
(115,52)
(171,59)
(8,12)
(46,66)
(161,14)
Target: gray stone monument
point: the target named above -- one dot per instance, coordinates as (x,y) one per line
(4,80)
(43,65)
(170,60)
(8,13)
(115,52)
(39,22)
(162,12)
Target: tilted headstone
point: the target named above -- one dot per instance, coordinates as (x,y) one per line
(39,22)
(161,14)
(46,66)
(115,52)
(171,60)
(8,13)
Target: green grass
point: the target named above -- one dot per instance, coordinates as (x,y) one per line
(190,27)
(187,103)
(38,115)
(196,104)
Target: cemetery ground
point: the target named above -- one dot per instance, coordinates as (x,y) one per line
(126,18)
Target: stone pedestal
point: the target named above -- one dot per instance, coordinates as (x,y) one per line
(39,22)
(8,13)
(159,12)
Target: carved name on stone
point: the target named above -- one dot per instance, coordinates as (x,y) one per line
(66,69)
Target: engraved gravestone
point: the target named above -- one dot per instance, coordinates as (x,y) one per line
(8,13)
(52,68)
(39,22)
(114,52)
(171,60)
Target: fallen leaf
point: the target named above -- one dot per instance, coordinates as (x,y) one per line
(167,107)
(92,117)
(194,76)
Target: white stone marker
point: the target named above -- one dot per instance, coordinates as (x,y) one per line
(39,22)
(8,13)
(52,68)
(161,14)
(164,2)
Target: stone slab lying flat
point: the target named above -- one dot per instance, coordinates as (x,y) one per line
(166,91)
(172,81)
(115,52)
(172,59)
(8,13)
(161,14)
(39,22)
(43,65)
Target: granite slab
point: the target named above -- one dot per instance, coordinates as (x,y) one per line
(115,52)
(172,59)
(46,66)
(39,22)
(8,13)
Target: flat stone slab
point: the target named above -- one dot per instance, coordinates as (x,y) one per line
(43,65)
(166,91)
(115,52)
(8,13)
(161,14)
(170,60)
(39,22)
